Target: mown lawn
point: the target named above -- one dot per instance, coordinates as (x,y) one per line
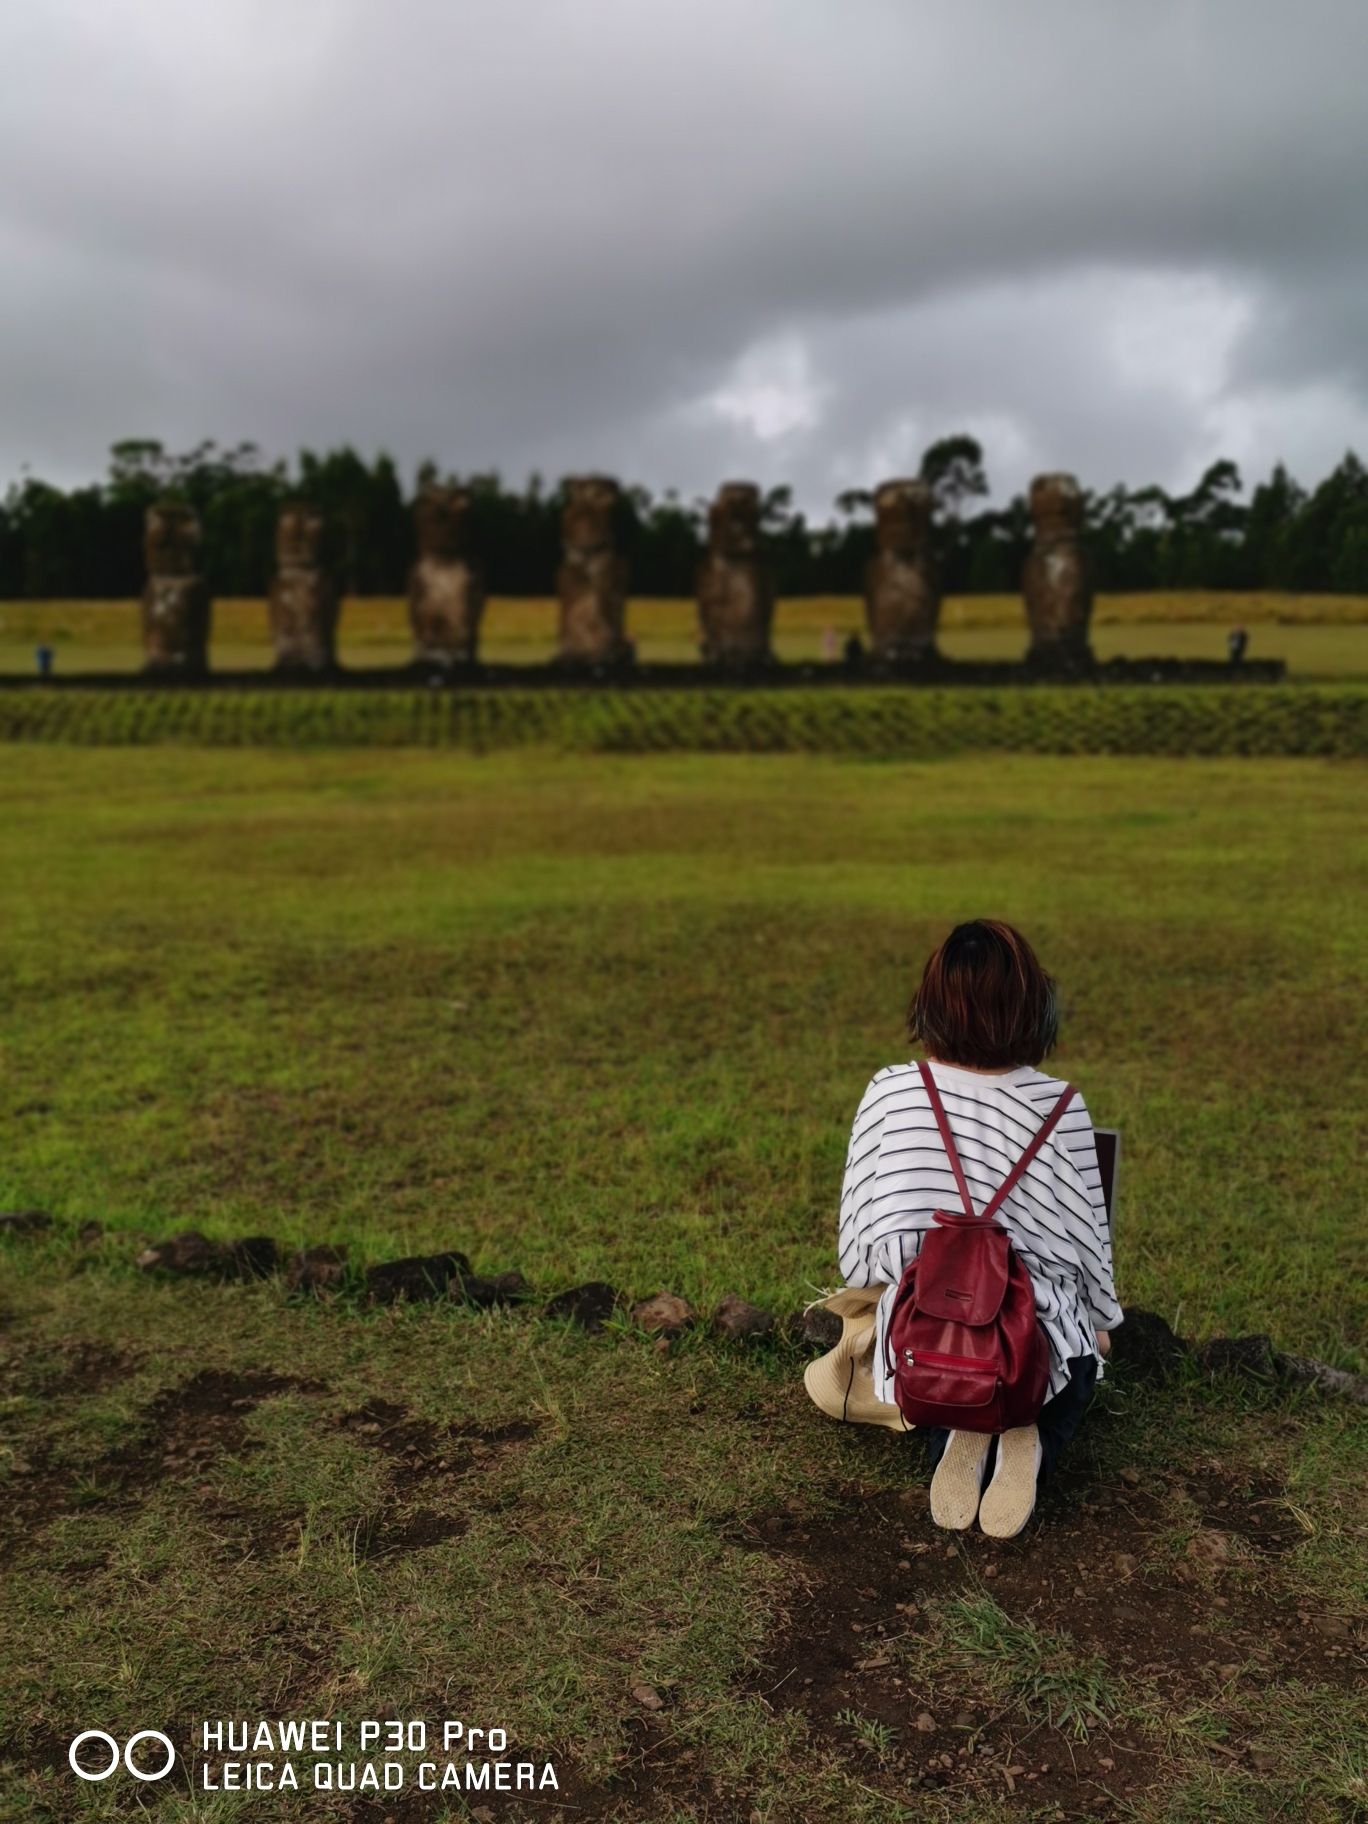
(1318,636)
(609,1017)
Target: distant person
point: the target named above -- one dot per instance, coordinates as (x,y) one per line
(43,656)
(985,1015)
(1237,643)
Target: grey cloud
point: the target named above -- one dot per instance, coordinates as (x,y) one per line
(560,233)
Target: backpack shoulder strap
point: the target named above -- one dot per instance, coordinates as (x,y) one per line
(1042,1134)
(947,1138)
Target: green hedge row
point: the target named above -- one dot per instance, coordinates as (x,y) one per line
(1114,719)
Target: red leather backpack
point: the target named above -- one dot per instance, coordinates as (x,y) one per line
(963,1343)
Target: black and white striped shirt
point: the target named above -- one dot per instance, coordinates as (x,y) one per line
(897,1173)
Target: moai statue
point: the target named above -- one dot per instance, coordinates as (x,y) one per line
(902,602)
(735,589)
(592,579)
(446,591)
(304,603)
(175,602)
(1055,579)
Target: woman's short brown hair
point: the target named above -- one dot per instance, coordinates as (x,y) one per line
(984,1000)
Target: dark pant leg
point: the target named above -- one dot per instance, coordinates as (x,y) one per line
(1059,1419)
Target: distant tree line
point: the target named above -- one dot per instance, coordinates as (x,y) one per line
(87,542)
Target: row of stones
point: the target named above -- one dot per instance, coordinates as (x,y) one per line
(1144,1345)
(427,1278)
(735,586)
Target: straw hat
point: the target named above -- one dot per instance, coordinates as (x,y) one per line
(842,1381)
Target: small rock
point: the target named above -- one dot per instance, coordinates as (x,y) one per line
(1207,1546)
(952,1551)
(471,1289)
(187,1252)
(648,1697)
(91,1235)
(589,1305)
(1264,1760)
(1144,1346)
(24,1222)
(1131,1477)
(1251,1356)
(965,1720)
(319,1269)
(1331,1624)
(1125,1564)
(925,1723)
(736,1319)
(420,1278)
(252,1257)
(822,1328)
(666,1314)
(483,1294)
(1303,1371)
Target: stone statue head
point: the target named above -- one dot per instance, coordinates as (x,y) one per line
(439,516)
(902,517)
(171,538)
(1056,507)
(587,518)
(299,536)
(734,521)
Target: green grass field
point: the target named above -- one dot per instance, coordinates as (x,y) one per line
(609,1016)
(1324,636)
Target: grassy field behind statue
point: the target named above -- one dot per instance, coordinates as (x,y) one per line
(1322,636)
(596,1016)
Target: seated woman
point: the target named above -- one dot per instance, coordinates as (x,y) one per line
(986,1016)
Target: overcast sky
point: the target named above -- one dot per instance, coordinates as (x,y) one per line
(685,240)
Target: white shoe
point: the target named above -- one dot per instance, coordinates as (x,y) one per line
(958,1480)
(1009,1499)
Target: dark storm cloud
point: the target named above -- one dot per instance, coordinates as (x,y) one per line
(795,240)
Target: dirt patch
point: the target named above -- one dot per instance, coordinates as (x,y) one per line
(422,1453)
(190,1427)
(414,1533)
(187,1430)
(1171,1582)
(81,1369)
(425,1460)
